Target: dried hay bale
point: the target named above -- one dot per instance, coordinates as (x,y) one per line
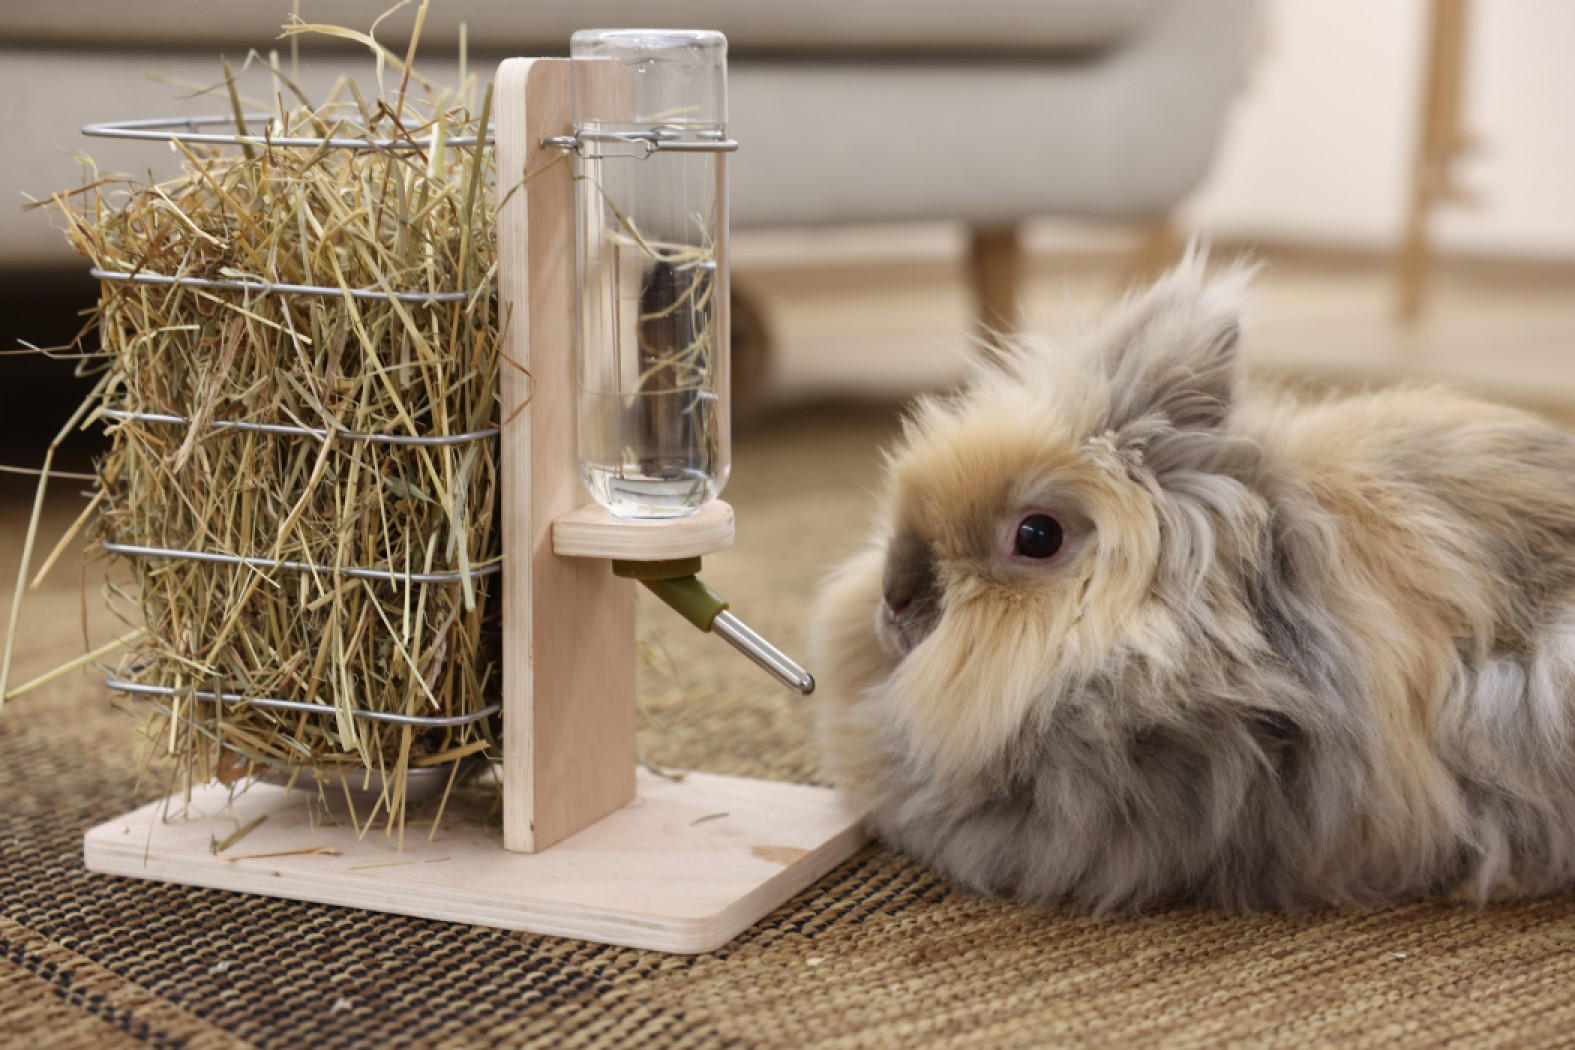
(394,224)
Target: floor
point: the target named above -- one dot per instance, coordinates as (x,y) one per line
(881,952)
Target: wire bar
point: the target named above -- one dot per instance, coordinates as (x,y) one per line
(120,685)
(312,432)
(188,129)
(266,287)
(387,575)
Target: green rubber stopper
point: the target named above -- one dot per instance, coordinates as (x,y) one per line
(657,570)
(676,584)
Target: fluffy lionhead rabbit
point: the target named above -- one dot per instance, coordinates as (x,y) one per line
(1129,631)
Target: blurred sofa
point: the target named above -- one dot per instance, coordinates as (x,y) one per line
(987,112)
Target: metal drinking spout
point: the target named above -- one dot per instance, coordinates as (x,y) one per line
(676,583)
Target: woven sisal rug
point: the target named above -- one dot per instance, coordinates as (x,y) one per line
(880,953)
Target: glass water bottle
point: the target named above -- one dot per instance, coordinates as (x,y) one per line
(650,116)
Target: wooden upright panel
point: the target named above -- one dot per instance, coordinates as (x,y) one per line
(568,628)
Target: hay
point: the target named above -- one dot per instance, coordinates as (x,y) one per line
(390,220)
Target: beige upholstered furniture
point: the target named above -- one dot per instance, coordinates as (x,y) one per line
(985,111)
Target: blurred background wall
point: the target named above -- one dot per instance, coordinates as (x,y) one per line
(1321,145)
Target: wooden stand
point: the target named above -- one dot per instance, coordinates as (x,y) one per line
(588,848)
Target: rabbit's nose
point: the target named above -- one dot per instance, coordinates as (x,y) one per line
(909,580)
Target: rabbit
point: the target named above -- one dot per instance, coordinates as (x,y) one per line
(1131,631)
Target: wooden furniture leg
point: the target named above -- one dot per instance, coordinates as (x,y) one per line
(1156,252)
(995,272)
(752,352)
(1440,144)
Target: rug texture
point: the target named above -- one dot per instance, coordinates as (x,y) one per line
(880,953)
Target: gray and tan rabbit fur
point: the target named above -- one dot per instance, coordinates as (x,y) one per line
(1131,631)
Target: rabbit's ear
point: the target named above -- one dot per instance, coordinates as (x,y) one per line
(1170,352)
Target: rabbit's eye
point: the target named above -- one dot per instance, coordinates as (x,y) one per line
(1039,536)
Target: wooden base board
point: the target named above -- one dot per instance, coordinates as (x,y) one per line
(686,867)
